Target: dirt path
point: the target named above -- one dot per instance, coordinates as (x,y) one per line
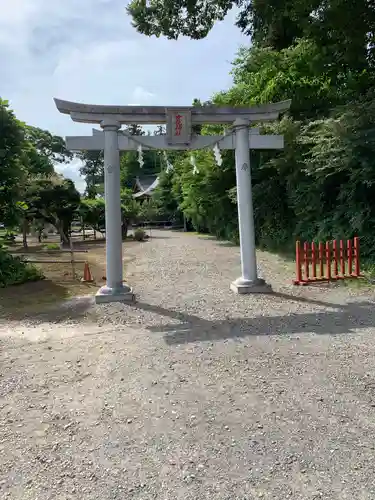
(193,393)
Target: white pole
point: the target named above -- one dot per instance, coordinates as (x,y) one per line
(249,281)
(114,289)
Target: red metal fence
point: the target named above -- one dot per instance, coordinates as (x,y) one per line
(326,261)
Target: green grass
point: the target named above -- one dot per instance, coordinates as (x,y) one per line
(51,246)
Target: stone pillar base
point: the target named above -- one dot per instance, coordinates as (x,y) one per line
(242,286)
(106,295)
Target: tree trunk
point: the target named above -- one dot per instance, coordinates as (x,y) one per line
(64,234)
(25,228)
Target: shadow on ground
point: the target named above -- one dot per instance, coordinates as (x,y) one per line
(151,237)
(46,301)
(341,319)
(228,244)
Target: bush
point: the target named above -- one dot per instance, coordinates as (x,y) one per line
(139,234)
(52,246)
(14,270)
(9,237)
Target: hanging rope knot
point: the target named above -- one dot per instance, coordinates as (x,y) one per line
(140,156)
(169,165)
(193,163)
(217,155)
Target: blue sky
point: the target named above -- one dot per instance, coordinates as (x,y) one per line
(87,51)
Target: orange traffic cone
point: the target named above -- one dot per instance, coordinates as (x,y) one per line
(87,278)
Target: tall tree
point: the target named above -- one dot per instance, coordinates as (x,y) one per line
(49,146)
(41,151)
(93,171)
(344,30)
(55,201)
(172,18)
(11,167)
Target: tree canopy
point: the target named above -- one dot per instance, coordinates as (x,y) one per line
(344,28)
(319,54)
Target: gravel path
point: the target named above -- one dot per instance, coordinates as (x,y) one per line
(193,393)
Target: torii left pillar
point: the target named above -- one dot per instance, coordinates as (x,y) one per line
(114,290)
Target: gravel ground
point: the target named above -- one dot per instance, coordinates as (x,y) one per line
(193,393)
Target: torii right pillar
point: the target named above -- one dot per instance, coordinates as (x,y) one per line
(249,281)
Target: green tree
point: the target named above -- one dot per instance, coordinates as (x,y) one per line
(263,75)
(93,171)
(342,31)
(30,191)
(49,146)
(164,197)
(41,150)
(173,18)
(11,167)
(149,210)
(129,210)
(346,28)
(55,201)
(92,212)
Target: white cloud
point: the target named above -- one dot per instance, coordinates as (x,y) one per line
(87,51)
(142,96)
(71,171)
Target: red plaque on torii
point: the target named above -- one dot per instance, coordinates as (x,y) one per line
(178,126)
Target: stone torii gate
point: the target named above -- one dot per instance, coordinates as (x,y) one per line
(179,121)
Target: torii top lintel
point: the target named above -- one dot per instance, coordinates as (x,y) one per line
(96,113)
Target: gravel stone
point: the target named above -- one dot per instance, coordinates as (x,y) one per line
(230,397)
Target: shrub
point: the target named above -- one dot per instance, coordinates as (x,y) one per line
(139,234)
(52,246)
(9,237)
(14,270)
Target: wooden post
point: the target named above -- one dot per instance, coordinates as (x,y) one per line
(335,259)
(321,260)
(350,257)
(328,261)
(298,263)
(306,259)
(356,257)
(342,258)
(313,259)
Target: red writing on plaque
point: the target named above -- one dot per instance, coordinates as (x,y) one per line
(178,128)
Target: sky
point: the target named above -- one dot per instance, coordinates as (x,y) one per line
(87,51)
